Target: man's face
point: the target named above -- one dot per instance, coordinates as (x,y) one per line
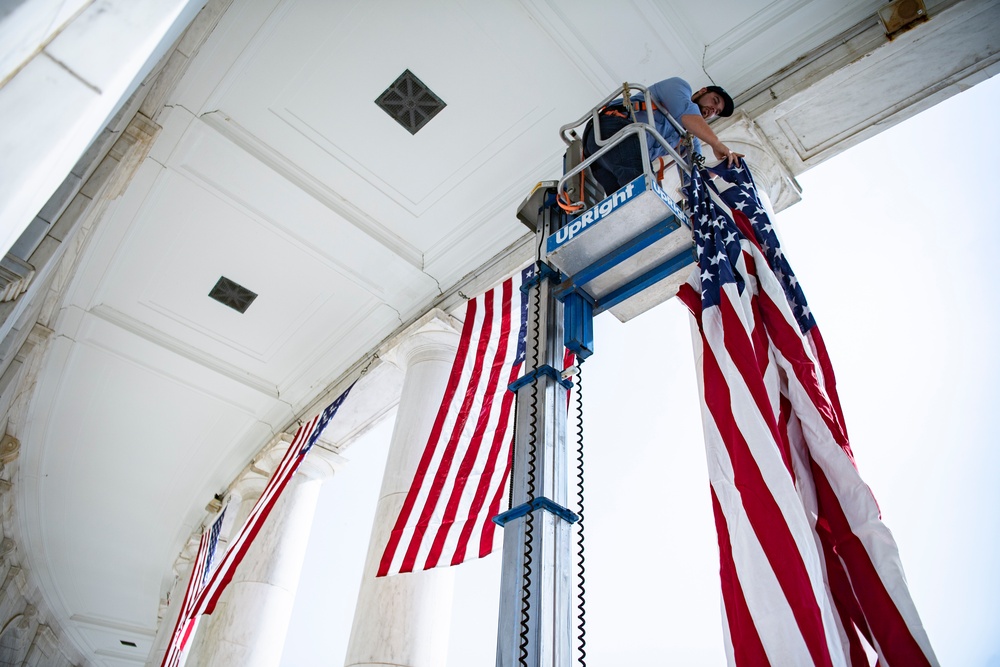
(711,104)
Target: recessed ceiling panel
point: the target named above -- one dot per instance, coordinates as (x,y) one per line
(184,238)
(335,105)
(296,104)
(127,452)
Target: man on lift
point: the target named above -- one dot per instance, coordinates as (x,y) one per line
(693,110)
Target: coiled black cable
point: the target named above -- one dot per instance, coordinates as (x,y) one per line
(529,518)
(581,581)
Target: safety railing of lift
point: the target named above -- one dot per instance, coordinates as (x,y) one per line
(637,128)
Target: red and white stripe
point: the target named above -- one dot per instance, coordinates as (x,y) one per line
(807,565)
(240,543)
(460,481)
(203,599)
(186,622)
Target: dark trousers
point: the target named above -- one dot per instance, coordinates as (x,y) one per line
(622,163)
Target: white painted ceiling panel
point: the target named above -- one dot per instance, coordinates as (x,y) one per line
(317,109)
(98,330)
(332,105)
(321,227)
(640,41)
(217,58)
(107,645)
(775,35)
(186,238)
(729,15)
(105,507)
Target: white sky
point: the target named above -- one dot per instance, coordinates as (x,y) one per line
(894,245)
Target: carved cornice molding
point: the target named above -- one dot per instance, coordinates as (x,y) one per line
(431,338)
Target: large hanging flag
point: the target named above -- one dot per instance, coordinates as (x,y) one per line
(462,474)
(201,566)
(807,566)
(204,597)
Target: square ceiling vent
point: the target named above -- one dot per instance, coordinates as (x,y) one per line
(410,102)
(232,294)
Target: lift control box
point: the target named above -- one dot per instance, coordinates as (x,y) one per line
(626,254)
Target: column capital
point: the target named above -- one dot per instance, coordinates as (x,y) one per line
(742,135)
(431,339)
(253,479)
(320,464)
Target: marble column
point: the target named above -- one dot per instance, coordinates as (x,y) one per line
(774,179)
(403,620)
(249,624)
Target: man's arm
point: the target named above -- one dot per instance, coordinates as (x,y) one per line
(674,95)
(700,128)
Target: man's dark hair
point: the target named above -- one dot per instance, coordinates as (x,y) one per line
(728,106)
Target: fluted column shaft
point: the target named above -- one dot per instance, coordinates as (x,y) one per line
(403,620)
(249,624)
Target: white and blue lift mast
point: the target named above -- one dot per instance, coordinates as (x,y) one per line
(624,253)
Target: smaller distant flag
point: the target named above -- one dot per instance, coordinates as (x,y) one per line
(200,569)
(462,475)
(302,442)
(206,596)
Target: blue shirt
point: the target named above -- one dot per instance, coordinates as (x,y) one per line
(676,94)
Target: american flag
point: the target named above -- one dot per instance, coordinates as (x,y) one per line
(201,599)
(807,566)
(462,474)
(303,440)
(200,568)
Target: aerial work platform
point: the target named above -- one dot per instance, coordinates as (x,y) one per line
(626,251)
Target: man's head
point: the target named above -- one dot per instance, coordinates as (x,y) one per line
(713,101)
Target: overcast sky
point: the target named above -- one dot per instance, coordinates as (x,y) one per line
(894,243)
